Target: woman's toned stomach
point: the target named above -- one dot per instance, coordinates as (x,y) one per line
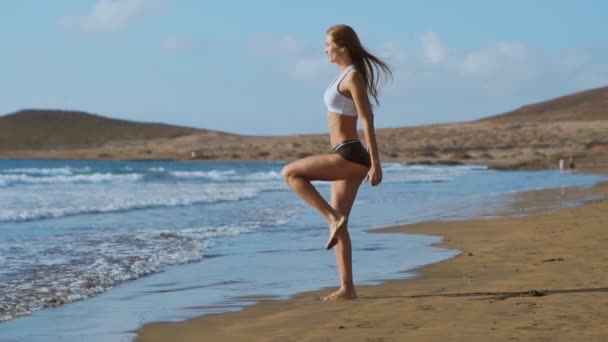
(341,128)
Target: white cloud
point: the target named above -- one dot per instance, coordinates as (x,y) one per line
(586,68)
(394,54)
(573,60)
(297,58)
(109,15)
(311,69)
(434,49)
(290,44)
(476,62)
(496,57)
(497,72)
(503,69)
(489,68)
(174,43)
(265,43)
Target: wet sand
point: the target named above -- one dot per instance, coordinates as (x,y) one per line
(542,277)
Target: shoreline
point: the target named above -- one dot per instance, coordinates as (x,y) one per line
(302,318)
(593,162)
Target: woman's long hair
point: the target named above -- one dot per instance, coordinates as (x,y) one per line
(370,66)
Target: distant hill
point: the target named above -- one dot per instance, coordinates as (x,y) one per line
(36,129)
(589,105)
(533,135)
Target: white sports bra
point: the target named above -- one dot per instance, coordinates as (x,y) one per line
(336,102)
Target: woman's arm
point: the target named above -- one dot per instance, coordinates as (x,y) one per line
(357,89)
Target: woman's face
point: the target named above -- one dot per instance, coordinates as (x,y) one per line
(332,50)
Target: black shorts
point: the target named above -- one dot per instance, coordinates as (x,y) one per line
(353,150)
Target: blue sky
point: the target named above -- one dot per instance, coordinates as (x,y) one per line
(258,67)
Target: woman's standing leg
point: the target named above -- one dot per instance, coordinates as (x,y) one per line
(343,194)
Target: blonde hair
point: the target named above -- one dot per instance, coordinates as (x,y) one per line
(370,66)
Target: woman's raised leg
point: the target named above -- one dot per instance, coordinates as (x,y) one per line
(325,167)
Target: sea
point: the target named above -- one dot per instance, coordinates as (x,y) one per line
(92,250)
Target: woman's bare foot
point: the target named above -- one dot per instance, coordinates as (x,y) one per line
(334,228)
(340,293)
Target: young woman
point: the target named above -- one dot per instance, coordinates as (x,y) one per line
(347,100)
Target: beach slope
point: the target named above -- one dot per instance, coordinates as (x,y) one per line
(536,278)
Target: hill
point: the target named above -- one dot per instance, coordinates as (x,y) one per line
(533,136)
(56,129)
(589,105)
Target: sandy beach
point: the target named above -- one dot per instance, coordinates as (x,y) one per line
(541,277)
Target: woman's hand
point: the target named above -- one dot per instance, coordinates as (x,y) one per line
(374,175)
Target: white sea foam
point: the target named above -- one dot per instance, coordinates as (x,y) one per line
(418,173)
(40,201)
(404,167)
(416,178)
(12,179)
(69,268)
(213,174)
(67,170)
(34,196)
(227,175)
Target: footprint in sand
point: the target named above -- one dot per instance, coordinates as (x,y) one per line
(425,307)
(365,325)
(411,326)
(554,259)
(526,304)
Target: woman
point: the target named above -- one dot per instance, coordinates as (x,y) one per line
(346,99)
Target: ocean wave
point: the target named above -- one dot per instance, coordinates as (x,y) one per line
(74,269)
(417,178)
(60,171)
(12,179)
(227,175)
(120,203)
(212,174)
(53,270)
(42,202)
(405,167)
(418,173)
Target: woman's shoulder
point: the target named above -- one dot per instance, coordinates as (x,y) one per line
(354,77)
